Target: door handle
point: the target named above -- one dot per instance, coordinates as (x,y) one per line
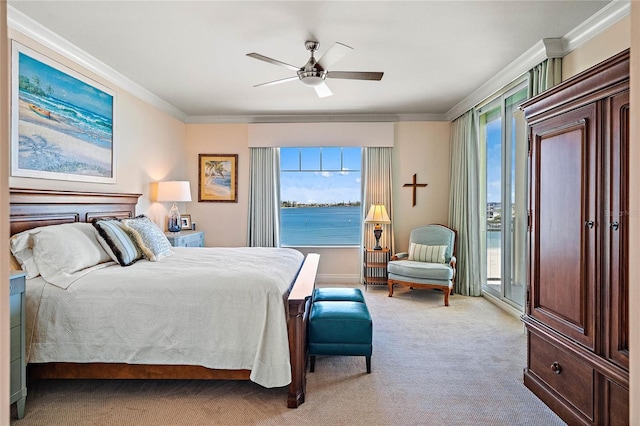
(615,226)
(589,223)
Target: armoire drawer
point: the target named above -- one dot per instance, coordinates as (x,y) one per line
(564,373)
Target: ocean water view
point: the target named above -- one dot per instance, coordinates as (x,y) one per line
(321,226)
(72,120)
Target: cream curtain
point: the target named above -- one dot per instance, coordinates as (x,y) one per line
(264,198)
(376,188)
(545,75)
(464,216)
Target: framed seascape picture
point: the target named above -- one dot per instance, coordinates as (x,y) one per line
(62,123)
(218,177)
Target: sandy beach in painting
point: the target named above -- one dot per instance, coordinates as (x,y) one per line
(219,192)
(51,139)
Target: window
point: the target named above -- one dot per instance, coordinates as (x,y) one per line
(503,149)
(320,193)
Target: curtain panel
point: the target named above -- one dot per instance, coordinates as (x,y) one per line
(545,75)
(377,189)
(264,198)
(464,204)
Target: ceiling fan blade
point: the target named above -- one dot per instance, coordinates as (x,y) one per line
(283,80)
(355,75)
(322,90)
(334,54)
(272,61)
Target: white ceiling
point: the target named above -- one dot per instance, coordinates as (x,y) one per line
(192,54)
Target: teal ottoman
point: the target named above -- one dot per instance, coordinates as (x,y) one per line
(339,327)
(338,294)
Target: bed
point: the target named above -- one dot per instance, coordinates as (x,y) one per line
(275,312)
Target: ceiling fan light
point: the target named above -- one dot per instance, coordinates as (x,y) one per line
(312,81)
(312,78)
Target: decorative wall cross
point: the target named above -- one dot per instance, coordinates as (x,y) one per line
(415,186)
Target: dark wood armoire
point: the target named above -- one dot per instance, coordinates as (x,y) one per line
(577,297)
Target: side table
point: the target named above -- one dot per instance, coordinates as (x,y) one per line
(186,238)
(18,387)
(375,266)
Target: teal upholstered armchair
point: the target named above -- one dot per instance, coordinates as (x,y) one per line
(429,263)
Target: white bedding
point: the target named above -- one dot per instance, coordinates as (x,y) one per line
(215,307)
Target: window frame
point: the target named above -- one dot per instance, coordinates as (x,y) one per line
(321,169)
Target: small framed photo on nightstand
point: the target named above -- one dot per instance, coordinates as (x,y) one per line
(185,220)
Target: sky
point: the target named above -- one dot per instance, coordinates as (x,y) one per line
(494,158)
(66,87)
(326,178)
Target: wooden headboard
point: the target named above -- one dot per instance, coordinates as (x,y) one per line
(30,208)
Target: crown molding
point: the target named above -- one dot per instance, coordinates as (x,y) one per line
(547,48)
(597,23)
(20,22)
(312,118)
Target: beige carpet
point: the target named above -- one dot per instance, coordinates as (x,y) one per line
(431,365)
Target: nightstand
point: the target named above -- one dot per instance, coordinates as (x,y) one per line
(17,323)
(375,266)
(186,238)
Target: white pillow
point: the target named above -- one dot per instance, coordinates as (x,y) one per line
(21,246)
(67,252)
(424,253)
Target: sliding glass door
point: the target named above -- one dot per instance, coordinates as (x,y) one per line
(503,194)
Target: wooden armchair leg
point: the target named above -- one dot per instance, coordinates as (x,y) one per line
(390,285)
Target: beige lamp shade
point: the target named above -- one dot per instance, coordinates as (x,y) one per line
(174,191)
(377,214)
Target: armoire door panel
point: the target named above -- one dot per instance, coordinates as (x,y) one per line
(617,215)
(564,223)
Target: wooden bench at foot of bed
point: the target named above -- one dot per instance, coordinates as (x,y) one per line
(31,208)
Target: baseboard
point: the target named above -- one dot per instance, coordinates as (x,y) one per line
(502,305)
(338,279)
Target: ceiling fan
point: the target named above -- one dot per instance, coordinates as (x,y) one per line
(314,72)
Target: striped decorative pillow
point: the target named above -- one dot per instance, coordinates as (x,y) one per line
(116,241)
(424,253)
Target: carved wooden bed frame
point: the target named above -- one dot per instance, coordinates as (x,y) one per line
(31,208)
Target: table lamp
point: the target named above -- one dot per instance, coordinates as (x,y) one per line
(176,191)
(377,214)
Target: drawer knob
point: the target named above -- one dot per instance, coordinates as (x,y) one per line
(556,368)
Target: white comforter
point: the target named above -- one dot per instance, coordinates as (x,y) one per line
(215,307)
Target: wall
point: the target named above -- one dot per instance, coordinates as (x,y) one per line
(225,224)
(420,147)
(634,218)
(4,212)
(149,145)
(612,40)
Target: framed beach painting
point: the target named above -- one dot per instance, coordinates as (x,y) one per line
(218,177)
(62,123)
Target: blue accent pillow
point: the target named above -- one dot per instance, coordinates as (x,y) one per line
(116,241)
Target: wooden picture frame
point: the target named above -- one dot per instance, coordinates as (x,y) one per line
(185,221)
(62,122)
(218,178)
